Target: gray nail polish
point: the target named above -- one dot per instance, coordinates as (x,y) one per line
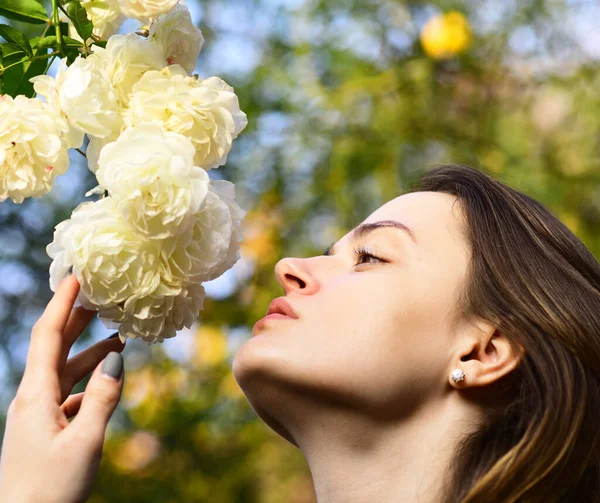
(113,335)
(113,365)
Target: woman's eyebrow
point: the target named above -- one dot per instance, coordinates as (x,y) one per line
(364,229)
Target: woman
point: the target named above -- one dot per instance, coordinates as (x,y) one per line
(446,351)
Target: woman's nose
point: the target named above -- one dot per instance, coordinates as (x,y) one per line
(292,275)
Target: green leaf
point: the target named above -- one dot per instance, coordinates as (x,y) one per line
(64,28)
(78,16)
(16,78)
(2,84)
(13,77)
(71,53)
(8,49)
(36,67)
(29,11)
(11,56)
(52,42)
(100,43)
(72,42)
(46,42)
(15,37)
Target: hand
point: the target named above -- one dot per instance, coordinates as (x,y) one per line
(45,457)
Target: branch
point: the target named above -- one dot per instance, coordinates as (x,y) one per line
(56,21)
(40,56)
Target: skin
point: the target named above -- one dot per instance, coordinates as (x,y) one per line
(360,382)
(45,457)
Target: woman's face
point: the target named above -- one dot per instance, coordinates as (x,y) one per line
(371,337)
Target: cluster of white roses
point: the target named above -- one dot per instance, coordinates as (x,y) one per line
(163,226)
(108,15)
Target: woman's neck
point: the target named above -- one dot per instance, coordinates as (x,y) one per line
(359,461)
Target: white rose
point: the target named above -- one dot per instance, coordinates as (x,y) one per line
(197,252)
(177,36)
(226,191)
(33,147)
(151,174)
(144,10)
(126,58)
(45,86)
(112,263)
(83,93)
(105,15)
(94,147)
(102,14)
(157,317)
(212,246)
(205,110)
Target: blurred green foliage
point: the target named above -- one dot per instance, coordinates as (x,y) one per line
(348,103)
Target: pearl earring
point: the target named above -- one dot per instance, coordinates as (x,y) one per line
(458,375)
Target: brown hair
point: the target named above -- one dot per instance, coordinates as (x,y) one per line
(534,280)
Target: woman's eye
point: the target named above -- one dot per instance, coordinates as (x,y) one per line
(359,253)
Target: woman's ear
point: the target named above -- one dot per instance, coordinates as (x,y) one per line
(484,355)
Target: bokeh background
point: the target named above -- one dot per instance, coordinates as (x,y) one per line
(348,102)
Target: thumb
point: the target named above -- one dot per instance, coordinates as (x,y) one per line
(100,399)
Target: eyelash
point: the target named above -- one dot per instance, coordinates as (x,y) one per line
(363,252)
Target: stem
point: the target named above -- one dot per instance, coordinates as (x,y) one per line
(41,56)
(46,29)
(56,21)
(42,36)
(50,63)
(81,152)
(63,9)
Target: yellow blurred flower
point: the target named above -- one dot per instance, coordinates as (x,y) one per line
(260,245)
(137,387)
(149,384)
(570,219)
(137,451)
(230,388)
(446,35)
(211,345)
(261,230)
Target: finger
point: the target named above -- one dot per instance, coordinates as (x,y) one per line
(79,319)
(58,310)
(83,363)
(41,368)
(102,394)
(72,404)
(47,334)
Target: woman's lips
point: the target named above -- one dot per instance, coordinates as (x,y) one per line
(273,316)
(282,306)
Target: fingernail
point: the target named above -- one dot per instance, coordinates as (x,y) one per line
(113,335)
(113,365)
